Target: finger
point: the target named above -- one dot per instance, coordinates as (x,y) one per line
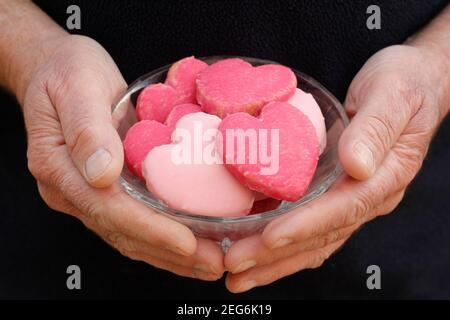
(55,200)
(176,269)
(113,209)
(383,111)
(266,274)
(349,203)
(251,252)
(83,101)
(207,259)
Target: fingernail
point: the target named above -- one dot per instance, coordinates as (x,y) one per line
(282,242)
(97,163)
(365,155)
(246,285)
(247,264)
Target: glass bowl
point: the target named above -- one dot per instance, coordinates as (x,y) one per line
(227,229)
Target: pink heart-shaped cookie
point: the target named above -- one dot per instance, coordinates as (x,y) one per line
(195,186)
(142,137)
(182,75)
(179,112)
(155,102)
(276,154)
(233,85)
(306,103)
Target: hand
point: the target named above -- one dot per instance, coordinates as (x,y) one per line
(76,156)
(397,100)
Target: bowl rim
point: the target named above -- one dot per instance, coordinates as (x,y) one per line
(164,209)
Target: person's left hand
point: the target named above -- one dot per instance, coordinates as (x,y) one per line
(397,100)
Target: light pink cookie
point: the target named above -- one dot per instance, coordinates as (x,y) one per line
(182,75)
(233,85)
(284,133)
(306,103)
(180,111)
(195,186)
(155,102)
(142,137)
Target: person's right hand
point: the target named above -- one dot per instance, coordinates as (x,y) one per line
(76,155)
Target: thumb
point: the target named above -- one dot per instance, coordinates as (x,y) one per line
(382,114)
(84,104)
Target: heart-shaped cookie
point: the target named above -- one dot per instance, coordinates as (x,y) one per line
(198,187)
(306,103)
(180,111)
(182,75)
(233,85)
(275,154)
(142,137)
(155,102)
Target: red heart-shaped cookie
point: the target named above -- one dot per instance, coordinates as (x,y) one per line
(233,85)
(275,154)
(182,75)
(155,102)
(142,137)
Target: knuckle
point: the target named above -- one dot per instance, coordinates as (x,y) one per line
(359,209)
(83,134)
(46,196)
(319,257)
(276,273)
(42,169)
(391,203)
(55,200)
(34,164)
(408,164)
(316,261)
(380,130)
(332,237)
(91,212)
(317,242)
(98,211)
(121,242)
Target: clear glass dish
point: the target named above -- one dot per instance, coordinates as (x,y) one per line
(226,230)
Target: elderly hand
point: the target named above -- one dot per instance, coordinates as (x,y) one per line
(76,155)
(397,100)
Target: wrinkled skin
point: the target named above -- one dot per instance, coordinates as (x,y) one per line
(396,107)
(67,111)
(396,102)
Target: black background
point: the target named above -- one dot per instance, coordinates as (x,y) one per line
(327,39)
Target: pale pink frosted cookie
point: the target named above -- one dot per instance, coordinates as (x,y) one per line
(233,85)
(284,133)
(180,111)
(140,139)
(191,186)
(182,75)
(306,103)
(155,102)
